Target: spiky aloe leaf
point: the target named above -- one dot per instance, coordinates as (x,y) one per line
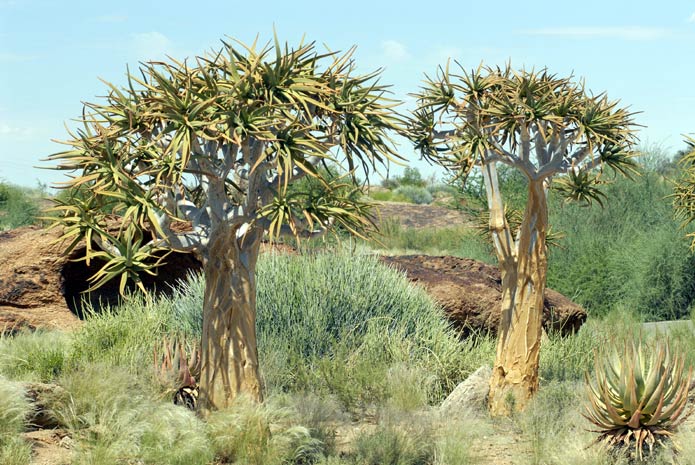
(637,395)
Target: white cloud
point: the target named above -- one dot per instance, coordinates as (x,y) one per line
(692,18)
(625,33)
(13,131)
(151,45)
(394,50)
(111,19)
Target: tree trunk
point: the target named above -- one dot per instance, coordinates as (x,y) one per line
(515,374)
(229,358)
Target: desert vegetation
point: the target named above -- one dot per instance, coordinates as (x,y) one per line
(323,354)
(19,206)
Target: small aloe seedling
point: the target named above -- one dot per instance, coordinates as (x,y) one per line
(638,396)
(176,362)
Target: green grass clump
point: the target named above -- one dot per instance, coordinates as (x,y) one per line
(388,196)
(115,418)
(459,241)
(18,206)
(123,335)
(327,322)
(336,323)
(392,445)
(14,409)
(252,434)
(38,356)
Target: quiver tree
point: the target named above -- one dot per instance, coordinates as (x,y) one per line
(198,157)
(684,189)
(552,131)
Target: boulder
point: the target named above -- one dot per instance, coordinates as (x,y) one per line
(41,287)
(470,293)
(470,396)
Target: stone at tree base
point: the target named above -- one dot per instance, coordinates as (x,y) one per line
(470,396)
(470,292)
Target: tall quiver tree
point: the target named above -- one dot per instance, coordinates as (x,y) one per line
(546,127)
(198,158)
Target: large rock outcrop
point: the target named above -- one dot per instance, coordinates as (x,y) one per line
(40,287)
(470,293)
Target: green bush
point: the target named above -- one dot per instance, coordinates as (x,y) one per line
(124,335)
(632,253)
(18,206)
(414,194)
(313,328)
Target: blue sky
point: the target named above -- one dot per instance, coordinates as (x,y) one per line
(53,52)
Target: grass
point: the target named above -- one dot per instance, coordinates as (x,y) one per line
(14,408)
(39,356)
(459,241)
(115,412)
(352,378)
(115,418)
(19,206)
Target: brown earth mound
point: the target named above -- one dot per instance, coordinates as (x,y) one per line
(42,288)
(410,215)
(470,293)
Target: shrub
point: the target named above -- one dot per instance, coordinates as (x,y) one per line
(412,177)
(313,328)
(18,206)
(414,194)
(640,260)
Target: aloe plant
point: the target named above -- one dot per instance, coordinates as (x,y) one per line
(175,362)
(638,396)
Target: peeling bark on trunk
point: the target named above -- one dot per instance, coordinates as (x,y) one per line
(515,374)
(229,358)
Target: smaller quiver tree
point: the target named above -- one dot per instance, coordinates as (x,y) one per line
(684,190)
(554,133)
(198,157)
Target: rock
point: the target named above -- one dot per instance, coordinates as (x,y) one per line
(40,287)
(470,396)
(470,293)
(41,396)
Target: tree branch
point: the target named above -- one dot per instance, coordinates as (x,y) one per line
(501,234)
